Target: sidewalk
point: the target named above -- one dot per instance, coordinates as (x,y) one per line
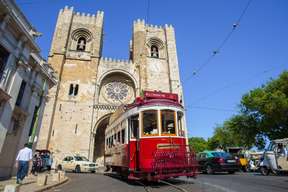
(36,183)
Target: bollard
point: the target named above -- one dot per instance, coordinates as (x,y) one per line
(42,179)
(62,175)
(11,188)
(56,177)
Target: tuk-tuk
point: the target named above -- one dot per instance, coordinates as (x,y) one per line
(46,158)
(275,158)
(239,153)
(254,160)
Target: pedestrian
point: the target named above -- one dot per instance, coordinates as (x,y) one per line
(23,160)
(39,163)
(34,164)
(50,162)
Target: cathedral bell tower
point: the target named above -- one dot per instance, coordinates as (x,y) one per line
(75,55)
(153,50)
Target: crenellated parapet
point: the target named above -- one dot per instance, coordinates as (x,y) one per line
(85,18)
(72,26)
(140,25)
(115,62)
(89,18)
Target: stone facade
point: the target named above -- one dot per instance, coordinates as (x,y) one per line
(91,86)
(24,82)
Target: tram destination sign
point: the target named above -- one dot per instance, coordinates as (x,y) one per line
(160,95)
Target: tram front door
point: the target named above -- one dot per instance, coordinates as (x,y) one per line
(134,142)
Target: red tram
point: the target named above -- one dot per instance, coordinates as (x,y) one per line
(147,139)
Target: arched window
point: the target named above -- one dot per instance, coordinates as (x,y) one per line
(154,51)
(81,44)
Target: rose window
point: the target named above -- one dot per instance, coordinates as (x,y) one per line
(116,91)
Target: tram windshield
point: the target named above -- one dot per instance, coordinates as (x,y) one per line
(180,124)
(134,126)
(150,122)
(168,122)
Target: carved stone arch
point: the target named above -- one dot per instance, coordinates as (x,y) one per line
(99,138)
(82,32)
(155,41)
(156,47)
(84,35)
(100,80)
(100,120)
(116,87)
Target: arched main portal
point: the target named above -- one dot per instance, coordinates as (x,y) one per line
(115,88)
(99,139)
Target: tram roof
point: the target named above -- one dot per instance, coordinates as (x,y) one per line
(149,98)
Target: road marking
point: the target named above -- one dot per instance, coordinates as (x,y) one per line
(224,189)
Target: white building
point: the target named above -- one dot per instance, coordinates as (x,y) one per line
(24,82)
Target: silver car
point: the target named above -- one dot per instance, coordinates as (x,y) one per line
(77,164)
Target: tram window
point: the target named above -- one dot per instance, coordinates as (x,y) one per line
(123,125)
(168,122)
(118,137)
(123,136)
(134,126)
(150,122)
(180,124)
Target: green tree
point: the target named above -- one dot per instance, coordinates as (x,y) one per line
(268,106)
(223,136)
(199,144)
(238,131)
(263,113)
(244,130)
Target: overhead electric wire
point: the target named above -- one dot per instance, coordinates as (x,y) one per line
(33,2)
(216,91)
(223,42)
(189,107)
(148,11)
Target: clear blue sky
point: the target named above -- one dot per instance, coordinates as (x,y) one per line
(257,51)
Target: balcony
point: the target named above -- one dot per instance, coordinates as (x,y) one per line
(20,114)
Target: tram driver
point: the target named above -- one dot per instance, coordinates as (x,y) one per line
(150,122)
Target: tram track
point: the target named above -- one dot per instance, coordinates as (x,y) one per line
(147,189)
(150,188)
(172,185)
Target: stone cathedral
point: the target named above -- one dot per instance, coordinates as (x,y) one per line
(90,86)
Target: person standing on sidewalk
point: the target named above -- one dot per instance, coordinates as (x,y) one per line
(23,160)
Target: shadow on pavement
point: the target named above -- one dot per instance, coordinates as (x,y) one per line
(174,181)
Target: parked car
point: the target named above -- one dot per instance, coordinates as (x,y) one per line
(275,158)
(215,161)
(77,164)
(238,152)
